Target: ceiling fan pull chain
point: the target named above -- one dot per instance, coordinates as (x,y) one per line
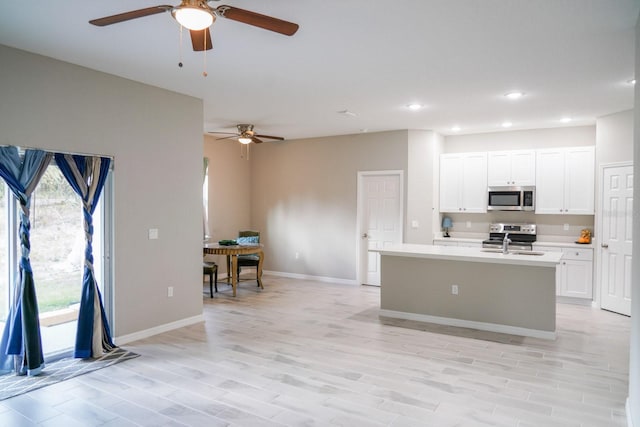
(204,65)
(180,48)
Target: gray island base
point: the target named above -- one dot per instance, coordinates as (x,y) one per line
(507,293)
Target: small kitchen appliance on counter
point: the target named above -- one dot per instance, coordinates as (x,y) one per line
(521,236)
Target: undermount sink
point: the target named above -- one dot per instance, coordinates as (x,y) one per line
(516,252)
(496,251)
(535,253)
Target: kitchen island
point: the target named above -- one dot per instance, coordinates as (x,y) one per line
(512,293)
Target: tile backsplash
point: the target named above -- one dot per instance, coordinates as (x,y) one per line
(550,227)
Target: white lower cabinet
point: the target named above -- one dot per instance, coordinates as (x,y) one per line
(574,275)
(576,270)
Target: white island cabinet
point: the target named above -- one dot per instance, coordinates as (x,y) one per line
(468,287)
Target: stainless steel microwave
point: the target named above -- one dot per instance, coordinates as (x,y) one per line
(512,199)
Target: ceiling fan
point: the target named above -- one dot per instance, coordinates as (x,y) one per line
(246,135)
(198,16)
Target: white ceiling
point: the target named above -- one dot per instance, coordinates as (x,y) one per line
(457,57)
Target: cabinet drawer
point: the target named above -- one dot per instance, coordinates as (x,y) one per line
(577,254)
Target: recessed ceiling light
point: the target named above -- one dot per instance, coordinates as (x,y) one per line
(455,129)
(507,124)
(514,95)
(565,119)
(632,81)
(415,107)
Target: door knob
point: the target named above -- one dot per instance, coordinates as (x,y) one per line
(604,245)
(365,236)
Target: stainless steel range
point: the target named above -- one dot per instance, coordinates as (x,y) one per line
(521,236)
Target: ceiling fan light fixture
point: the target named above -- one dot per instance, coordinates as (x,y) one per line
(244,140)
(193,17)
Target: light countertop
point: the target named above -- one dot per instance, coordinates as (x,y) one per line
(457,253)
(538,243)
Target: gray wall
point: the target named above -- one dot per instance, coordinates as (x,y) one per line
(303,198)
(229,191)
(155,137)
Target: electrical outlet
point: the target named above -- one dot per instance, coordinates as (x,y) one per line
(454,289)
(468,224)
(153,234)
(566,227)
(170,291)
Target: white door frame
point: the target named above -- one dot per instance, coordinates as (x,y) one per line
(360,275)
(597,294)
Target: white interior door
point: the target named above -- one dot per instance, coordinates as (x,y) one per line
(379,219)
(615,245)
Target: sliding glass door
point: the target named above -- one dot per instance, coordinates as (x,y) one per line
(4,254)
(57,256)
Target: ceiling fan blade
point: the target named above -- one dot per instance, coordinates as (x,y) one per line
(235,135)
(201,39)
(256,140)
(121,17)
(279,138)
(257,20)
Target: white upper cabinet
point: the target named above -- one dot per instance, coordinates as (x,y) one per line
(463,182)
(565,181)
(511,168)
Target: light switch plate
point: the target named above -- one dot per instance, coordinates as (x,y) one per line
(415,224)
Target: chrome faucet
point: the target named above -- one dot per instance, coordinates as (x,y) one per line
(505,243)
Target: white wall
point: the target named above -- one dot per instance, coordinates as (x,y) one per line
(424,148)
(614,138)
(155,138)
(573,136)
(633,404)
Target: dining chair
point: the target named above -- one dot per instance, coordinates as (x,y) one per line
(211,269)
(249,260)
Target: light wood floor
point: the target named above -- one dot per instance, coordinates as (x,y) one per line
(303,353)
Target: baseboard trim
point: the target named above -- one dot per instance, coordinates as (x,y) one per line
(310,277)
(491,327)
(575,301)
(125,339)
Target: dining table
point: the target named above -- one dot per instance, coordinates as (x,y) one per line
(232,252)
